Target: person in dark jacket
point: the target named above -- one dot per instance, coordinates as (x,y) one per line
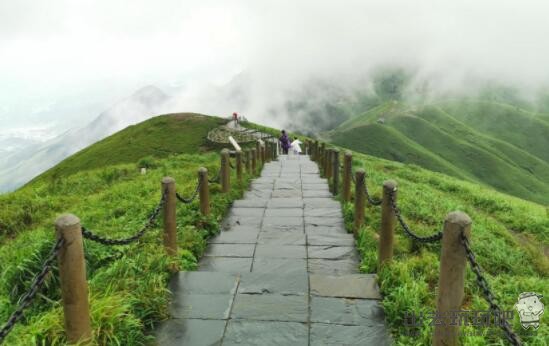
(284,142)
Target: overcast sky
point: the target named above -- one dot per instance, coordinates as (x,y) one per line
(71,59)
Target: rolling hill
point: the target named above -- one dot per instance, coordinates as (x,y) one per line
(102,185)
(158,137)
(491,143)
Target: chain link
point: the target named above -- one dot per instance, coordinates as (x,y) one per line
(37,283)
(88,234)
(190,199)
(216,178)
(488,295)
(374,202)
(407,231)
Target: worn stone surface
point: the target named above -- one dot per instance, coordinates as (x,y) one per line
(266,333)
(225,264)
(188,332)
(338,239)
(347,286)
(332,267)
(280,265)
(282,238)
(333,252)
(204,306)
(230,250)
(280,251)
(270,307)
(271,283)
(282,271)
(359,312)
(337,334)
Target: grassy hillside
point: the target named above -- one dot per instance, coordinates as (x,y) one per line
(456,138)
(128,284)
(158,137)
(510,238)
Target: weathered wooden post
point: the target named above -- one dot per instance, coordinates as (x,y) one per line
(204,191)
(238,155)
(315,152)
(267,151)
(347,171)
(388,220)
(328,163)
(225,171)
(321,156)
(254,161)
(452,275)
(275,150)
(359,200)
(258,150)
(248,161)
(335,171)
(170,226)
(72,273)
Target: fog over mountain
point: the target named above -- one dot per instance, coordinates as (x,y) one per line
(277,62)
(21,166)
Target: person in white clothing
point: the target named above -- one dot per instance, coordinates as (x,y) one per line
(296,148)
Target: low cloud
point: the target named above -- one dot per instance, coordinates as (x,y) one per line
(194,48)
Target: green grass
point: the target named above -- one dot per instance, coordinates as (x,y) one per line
(509,236)
(498,145)
(128,284)
(158,137)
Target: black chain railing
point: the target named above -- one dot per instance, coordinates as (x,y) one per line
(37,283)
(374,202)
(407,231)
(190,199)
(371,200)
(88,234)
(216,178)
(488,295)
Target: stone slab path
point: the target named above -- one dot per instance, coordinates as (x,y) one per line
(283,271)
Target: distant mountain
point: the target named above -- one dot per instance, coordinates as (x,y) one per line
(22,166)
(497,144)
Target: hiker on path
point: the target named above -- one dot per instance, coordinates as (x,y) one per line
(296,148)
(284,142)
(235,119)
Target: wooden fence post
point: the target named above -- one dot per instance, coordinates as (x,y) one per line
(328,163)
(275,150)
(258,150)
(347,171)
(388,220)
(315,152)
(254,161)
(248,161)
(359,200)
(170,226)
(72,273)
(452,275)
(238,155)
(266,152)
(335,171)
(204,191)
(225,171)
(321,156)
